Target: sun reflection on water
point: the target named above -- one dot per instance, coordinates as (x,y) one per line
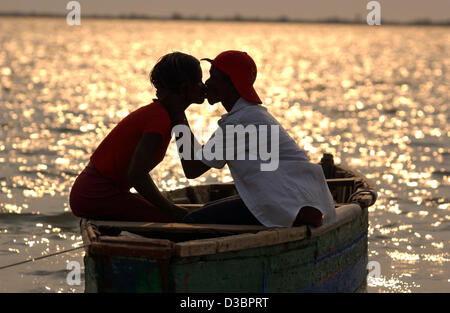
(376,99)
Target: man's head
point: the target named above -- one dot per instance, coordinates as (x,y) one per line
(232,73)
(178,74)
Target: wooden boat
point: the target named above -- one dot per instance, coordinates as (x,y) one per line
(176,257)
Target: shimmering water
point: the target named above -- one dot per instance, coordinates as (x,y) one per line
(375,97)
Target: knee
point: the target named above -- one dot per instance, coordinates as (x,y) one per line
(197,217)
(309,216)
(193,217)
(188,219)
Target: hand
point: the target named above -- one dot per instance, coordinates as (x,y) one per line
(179,119)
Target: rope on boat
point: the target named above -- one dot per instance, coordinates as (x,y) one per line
(362,192)
(41,257)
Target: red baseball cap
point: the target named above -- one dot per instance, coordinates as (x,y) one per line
(241,68)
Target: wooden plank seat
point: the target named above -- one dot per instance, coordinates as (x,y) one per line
(148,227)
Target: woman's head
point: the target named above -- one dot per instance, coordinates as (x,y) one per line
(178,74)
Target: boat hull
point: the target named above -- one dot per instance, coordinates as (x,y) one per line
(334,261)
(176,257)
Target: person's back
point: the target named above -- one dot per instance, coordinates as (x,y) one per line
(113,156)
(274,193)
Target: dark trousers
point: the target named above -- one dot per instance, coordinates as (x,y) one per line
(230,210)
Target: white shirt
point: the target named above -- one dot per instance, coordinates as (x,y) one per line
(275,197)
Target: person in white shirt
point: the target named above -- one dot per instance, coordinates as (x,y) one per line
(277,185)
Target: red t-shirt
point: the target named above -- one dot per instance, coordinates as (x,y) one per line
(113,156)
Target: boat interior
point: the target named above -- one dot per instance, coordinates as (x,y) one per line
(350,191)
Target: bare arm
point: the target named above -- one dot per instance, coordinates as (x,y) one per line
(192,168)
(140,179)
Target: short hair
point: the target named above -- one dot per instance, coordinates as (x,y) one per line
(173,69)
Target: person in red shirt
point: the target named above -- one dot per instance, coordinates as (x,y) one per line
(135,146)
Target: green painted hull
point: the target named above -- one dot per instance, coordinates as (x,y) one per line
(332,262)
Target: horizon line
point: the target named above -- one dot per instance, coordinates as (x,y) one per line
(237,18)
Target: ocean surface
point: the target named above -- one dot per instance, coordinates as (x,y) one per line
(375,97)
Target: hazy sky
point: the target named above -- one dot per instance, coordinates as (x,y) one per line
(398,10)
